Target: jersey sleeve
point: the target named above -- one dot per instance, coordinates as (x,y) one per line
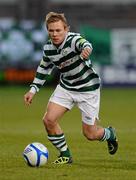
(43,71)
(82,43)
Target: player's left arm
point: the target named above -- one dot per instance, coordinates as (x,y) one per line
(84,47)
(85,53)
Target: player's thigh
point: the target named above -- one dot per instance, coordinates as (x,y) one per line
(54,112)
(62,97)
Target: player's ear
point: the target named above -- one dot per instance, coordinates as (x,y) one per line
(67,28)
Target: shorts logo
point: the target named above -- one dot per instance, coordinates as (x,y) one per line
(87,117)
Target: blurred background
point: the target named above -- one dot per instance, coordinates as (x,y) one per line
(109,25)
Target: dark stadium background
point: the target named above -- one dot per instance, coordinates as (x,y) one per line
(22,35)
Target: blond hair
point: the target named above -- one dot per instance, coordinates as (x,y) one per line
(54,17)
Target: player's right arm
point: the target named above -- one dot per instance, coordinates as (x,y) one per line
(28,97)
(43,71)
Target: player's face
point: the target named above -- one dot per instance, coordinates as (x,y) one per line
(57,32)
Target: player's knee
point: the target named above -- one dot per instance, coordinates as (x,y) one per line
(89,135)
(49,122)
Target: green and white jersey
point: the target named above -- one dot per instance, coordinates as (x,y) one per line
(76,74)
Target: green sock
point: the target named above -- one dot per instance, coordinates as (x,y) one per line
(106,134)
(60,143)
(66,153)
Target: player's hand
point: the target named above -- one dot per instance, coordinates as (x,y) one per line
(28,97)
(85,53)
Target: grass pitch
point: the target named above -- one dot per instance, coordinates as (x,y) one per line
(21,125)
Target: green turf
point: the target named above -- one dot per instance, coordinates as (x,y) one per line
(21,125)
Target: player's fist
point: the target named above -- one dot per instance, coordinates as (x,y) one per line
(85,53)
(28,97)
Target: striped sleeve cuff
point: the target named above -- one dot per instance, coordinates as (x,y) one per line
(87,45)
(34,89)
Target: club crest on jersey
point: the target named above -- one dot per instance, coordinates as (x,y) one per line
(65,51)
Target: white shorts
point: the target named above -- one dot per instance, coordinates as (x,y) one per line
(87,102)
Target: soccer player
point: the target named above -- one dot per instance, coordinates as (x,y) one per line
(79,84)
